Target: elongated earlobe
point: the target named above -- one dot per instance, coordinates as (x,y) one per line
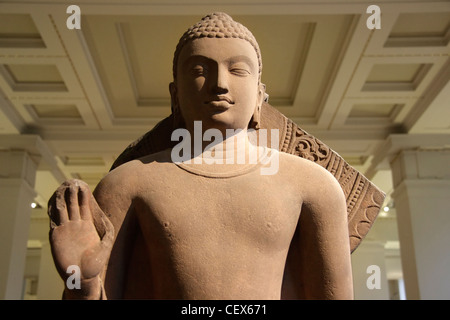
(255,122)
(178,121)
(173,96)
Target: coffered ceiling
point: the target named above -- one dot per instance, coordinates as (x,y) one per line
(88,93)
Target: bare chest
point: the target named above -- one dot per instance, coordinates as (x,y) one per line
(242,212)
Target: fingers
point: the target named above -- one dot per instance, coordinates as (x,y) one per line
(70,202)
(58,209)
(83,197)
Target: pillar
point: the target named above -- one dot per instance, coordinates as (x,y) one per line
(50,285)
(369,271)
(422,198)
(20,158)
(420,166)
(17,176)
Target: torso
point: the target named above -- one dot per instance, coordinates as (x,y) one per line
(210,237)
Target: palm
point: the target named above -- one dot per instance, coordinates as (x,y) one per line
(75,219)
(75,243)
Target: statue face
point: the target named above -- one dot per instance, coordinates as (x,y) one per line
(217,83)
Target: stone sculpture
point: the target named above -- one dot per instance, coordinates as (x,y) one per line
(164,229)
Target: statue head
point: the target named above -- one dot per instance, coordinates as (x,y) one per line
(221,60)
(217,25)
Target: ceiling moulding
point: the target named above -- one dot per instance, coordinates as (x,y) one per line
(424,41)
(21,42)
(12,122)
(355,160)
(83,160)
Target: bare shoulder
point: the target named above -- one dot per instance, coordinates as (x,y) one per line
(116,189)
(123,174)
(316,182)
(127,177)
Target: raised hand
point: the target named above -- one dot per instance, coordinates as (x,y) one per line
(80,234)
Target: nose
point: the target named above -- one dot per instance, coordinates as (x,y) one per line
(220,80)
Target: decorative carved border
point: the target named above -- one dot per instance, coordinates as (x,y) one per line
(363,198)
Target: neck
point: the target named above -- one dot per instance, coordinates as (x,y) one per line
(215,147)
(234,149)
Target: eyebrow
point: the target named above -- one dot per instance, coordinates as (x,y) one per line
(196,57)
(242,58)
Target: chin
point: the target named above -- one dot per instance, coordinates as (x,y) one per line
(226,120)
(222,123)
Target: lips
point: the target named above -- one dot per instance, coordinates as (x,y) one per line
(219,104)
(219,100)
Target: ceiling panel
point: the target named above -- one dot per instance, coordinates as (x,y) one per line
(19,31)
(396,77)
(58,111)
(372,110)
(420,30)
(404,72)
(421,24)
(32,77)
(37,73)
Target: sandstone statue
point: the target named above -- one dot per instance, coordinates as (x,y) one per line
(211,225)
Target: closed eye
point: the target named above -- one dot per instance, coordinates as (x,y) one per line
(242,72)
(240,66)
(198,70)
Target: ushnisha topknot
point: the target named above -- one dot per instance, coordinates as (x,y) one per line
(217,25)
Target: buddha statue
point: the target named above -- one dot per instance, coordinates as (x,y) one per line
(210,224)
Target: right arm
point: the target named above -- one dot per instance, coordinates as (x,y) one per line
(114,195)
(322,263)
(84,230)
